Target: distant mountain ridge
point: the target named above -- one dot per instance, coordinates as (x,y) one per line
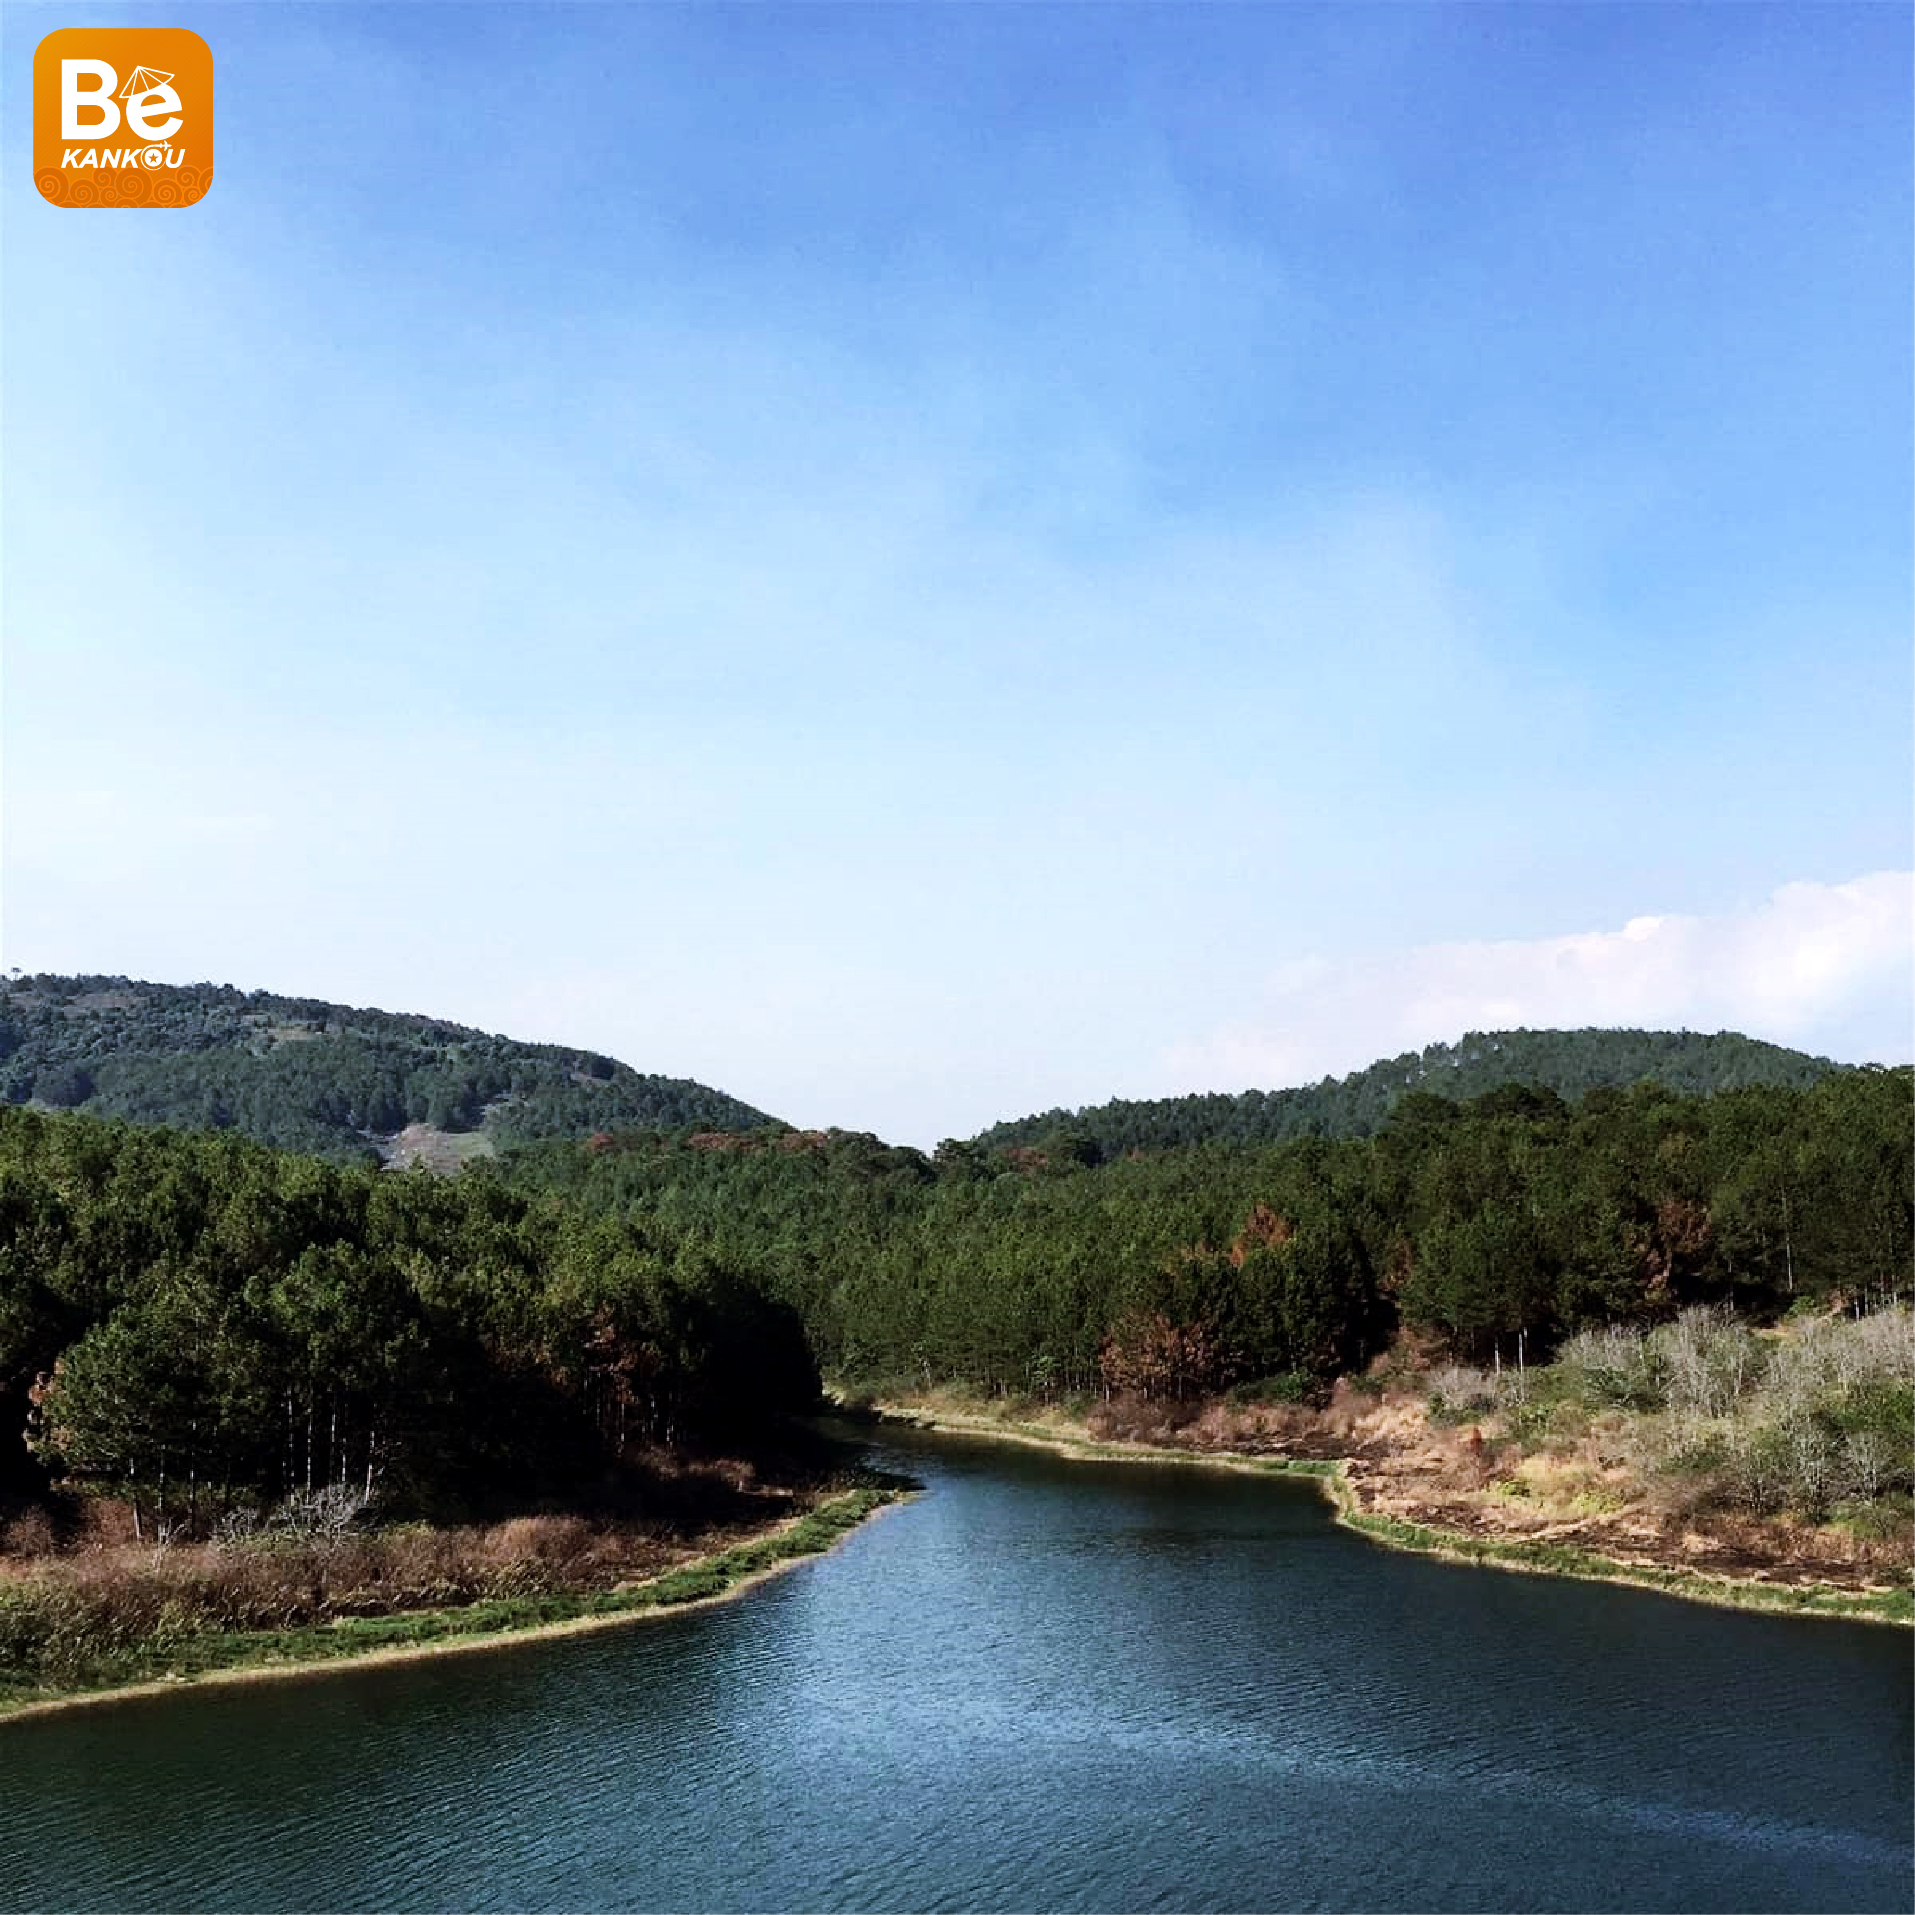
(342,1082)
(1570,1063)
(312,1076)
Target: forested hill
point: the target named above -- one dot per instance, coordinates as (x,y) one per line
(1517,1213)
(1566,1062)
(315,1077)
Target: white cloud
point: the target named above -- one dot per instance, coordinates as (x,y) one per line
(1829,967)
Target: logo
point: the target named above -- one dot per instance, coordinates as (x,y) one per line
(122,116)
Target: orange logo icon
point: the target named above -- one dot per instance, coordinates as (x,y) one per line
(122,116)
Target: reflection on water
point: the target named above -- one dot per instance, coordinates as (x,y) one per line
(1041,1684)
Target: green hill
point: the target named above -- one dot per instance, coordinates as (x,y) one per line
(317,1077)
(340,1082)
(1569,1063)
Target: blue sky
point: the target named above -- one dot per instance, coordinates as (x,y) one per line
(922,563)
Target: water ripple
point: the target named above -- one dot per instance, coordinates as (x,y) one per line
(1041,1685)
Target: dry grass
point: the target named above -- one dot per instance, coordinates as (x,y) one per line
(283,1582)
(78,1567)
(442,1151)
(1501,1460)
(102,1618)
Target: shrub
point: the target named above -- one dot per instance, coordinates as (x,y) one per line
(1291,1386)
(29,1534)
(1545,1417)
(1457,1395)
(1705,1360)
(556,1540)
(1611,1368)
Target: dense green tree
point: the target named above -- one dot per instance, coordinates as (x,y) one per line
(193,1320)
(1524,1067)
(202,1318)
(315,1077)
(1505,1223)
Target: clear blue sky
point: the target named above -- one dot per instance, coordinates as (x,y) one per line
(920,563)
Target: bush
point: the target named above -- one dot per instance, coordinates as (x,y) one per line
(1705,1360)
(1881,1519)
(1546,1416)
(30,1533)
(1291,1386)
(560,1541)
(1460,1395)
(1611,1368)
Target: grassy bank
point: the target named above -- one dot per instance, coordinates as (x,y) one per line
(1540,1558)
(1074,1437)
(58,1649)
(1071,1438)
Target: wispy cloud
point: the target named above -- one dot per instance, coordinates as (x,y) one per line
(1828,966)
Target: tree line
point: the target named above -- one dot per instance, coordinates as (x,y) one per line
(311,1076)
(197,1322)
(1501,1225)
(1571,1063)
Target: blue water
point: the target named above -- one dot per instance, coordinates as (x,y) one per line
(1042,1684)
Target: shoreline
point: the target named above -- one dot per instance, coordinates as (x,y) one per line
(1889,1607)
(742,1565)
(352,1642)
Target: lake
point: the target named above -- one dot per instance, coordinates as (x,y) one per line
(1042,1684)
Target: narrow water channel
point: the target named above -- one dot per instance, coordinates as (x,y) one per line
(1043,1684)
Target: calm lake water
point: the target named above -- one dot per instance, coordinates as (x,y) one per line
(1041,1685)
